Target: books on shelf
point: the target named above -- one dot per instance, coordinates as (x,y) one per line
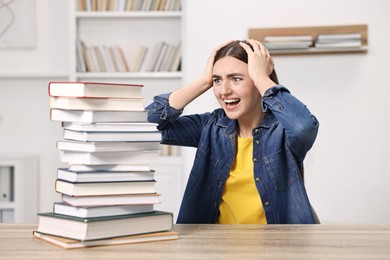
(120,157)
(94,90)
(104,227)
(91,146)
(163,57)
(121,199)
(113,136)
(67,243)
(100,211)
(104,188)
(104,176)
(112,104)
(129,5)
(339,41)
(284,42)
(96,116)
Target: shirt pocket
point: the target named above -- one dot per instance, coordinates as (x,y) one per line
(282,169)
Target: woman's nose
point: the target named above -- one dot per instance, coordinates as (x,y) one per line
(225,87)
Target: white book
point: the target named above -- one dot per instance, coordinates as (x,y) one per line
(104,176)
(125,199)
(109,104)
(94,89)
(337,37)
(100,211)
(109,167)
(339,45)
(107,146)
(122,157)
(287,45)
(111,127)
(104,188)
(112,136)
(288,38)
(90,116)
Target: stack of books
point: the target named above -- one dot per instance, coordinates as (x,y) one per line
(108,189)
(339,41)
(288,42)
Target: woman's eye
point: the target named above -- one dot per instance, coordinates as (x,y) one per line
(216,81)
(237,79)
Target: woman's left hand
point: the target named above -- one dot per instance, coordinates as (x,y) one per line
(260,63)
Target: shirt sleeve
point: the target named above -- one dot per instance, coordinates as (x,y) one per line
(300,125)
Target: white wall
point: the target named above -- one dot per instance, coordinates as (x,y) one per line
(346,171)
(347,174)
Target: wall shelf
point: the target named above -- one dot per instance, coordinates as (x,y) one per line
(314,31)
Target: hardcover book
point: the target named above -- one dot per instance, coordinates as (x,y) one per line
(94,89)
(67,243)
(85,229)
(107,200)
(104,188)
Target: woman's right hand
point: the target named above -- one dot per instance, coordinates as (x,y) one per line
(208,73)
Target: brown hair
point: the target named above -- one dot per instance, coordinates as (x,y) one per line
(235,50)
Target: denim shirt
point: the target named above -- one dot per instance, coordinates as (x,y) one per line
(280,143)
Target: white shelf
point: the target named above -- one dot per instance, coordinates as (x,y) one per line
(130,75)
(132,14)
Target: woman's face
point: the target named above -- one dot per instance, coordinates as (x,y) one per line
(235,90)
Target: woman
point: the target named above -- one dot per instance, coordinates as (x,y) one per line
(250,152)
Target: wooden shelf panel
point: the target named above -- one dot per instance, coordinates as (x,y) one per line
(314,31)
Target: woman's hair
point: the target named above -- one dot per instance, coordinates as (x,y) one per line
(235,50)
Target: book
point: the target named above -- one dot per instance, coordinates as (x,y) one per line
(104,176)
(94,89)
(90,116)
(288,45)
(85,229)
(337,37)
(338,45)
(111,127)
(89,146)
(109,167)
(104,188)
(67,243)
(121,199)
(100,211)
(112,136)
(111,104)
(288,38)
(121,157)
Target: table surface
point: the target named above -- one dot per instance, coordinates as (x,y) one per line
(219,242)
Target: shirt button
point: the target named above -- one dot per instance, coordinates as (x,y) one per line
(257,141)
(257,179)
(254,159)
(266,203)
(256,130)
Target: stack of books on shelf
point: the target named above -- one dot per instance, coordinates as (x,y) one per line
(129,5)
(108,189)
(290,42)
(163,57)
(339,41)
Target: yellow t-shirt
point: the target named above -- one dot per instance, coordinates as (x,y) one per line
(241,202)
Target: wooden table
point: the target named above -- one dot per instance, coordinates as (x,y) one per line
(219,242)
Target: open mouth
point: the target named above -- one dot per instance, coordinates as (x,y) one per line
(231,102)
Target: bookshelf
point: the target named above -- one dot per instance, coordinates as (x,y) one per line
(18,189)
(314,31)
(128,30)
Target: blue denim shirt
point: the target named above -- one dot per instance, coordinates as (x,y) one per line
(280,144)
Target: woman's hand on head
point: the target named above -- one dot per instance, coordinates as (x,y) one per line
(208,73)
(260,62)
